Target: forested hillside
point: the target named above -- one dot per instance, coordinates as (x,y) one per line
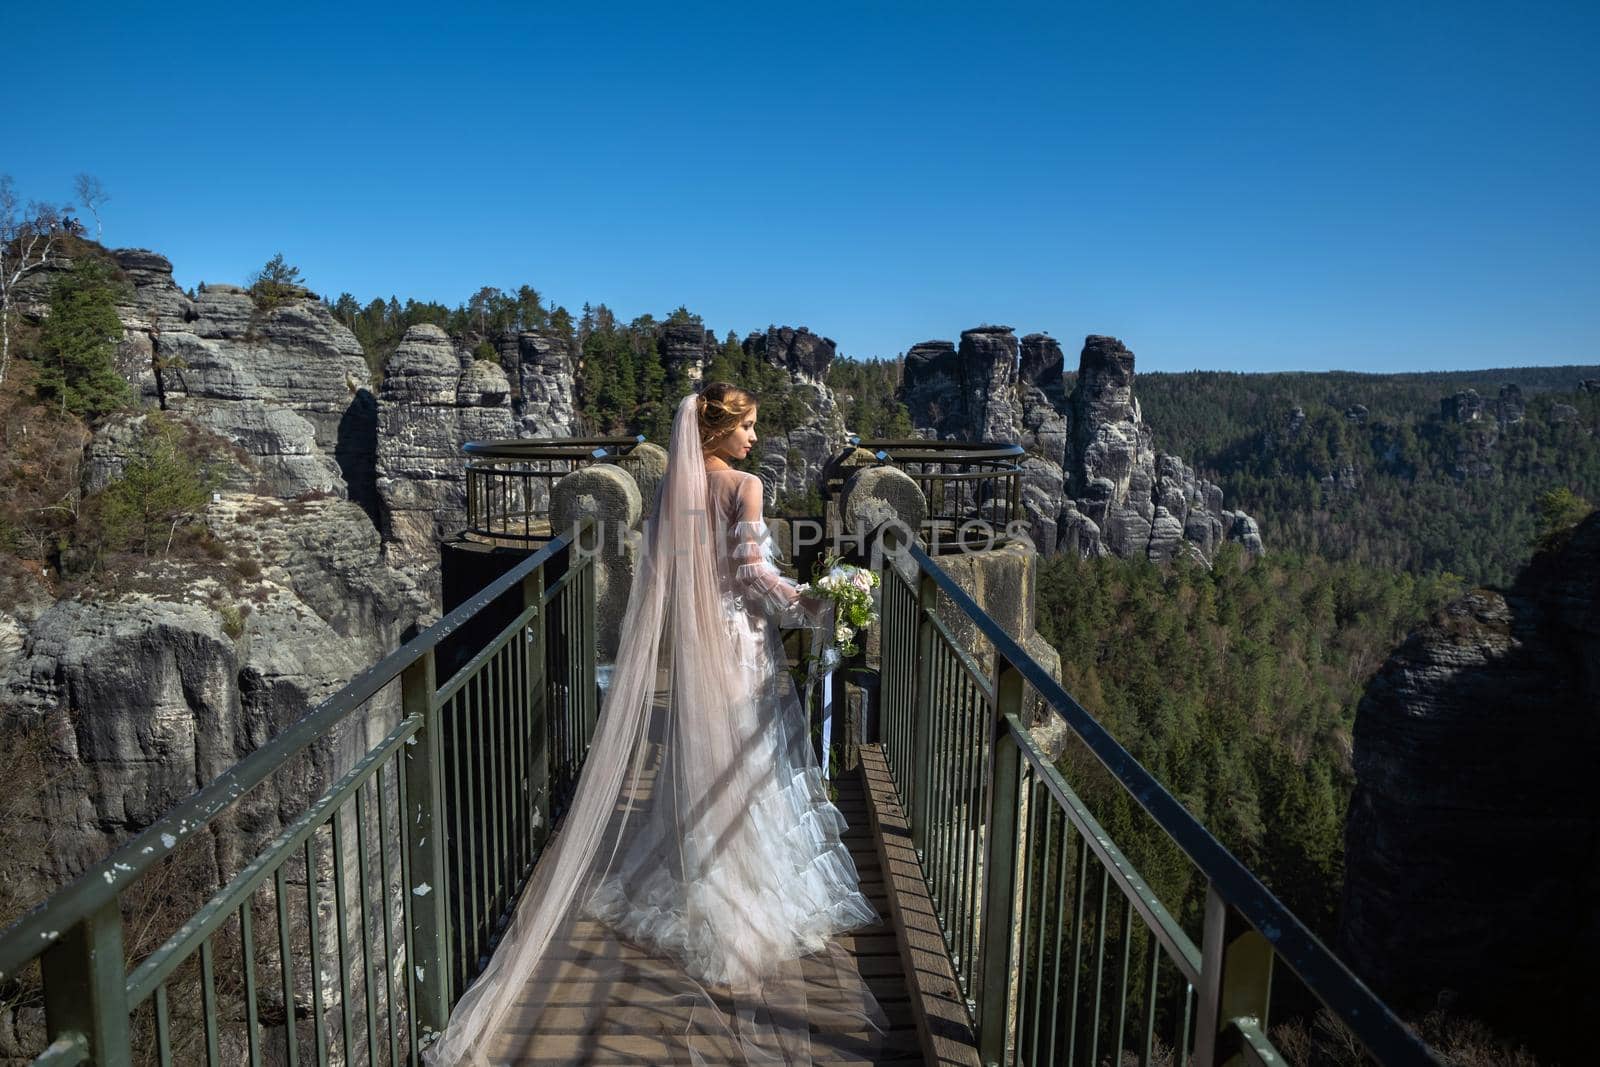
(866,391)
(1405,471)
(1237,687)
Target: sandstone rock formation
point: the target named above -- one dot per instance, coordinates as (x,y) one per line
(1045,425)
(429,406)
(685,348)
(290,385)
(799,351)
(1094,482)
(1289,431)
(289,388)
(540,369)
(792,462)
(1511,407)
(1481,422)
(134,698)
(1467,406)
(968,392)
(1470,862)
(1464,406)
(150,694)
(1480,431)
(126,704)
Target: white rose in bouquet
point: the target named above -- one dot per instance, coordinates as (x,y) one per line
(851,590)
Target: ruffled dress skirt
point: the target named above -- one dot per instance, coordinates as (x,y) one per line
(775,881)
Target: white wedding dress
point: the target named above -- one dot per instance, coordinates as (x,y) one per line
(771,881)
(686,908)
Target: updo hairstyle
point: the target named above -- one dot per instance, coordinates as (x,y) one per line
(722,407)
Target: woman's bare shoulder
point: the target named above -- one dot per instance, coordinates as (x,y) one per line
(738,476)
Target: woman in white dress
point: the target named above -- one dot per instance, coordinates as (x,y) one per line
(685,909)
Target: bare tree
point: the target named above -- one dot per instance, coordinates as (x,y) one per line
(28,238)
(91,194)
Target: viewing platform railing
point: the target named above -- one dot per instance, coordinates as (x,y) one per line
(967,485)
(1063,952)
(508,482)
(362,914)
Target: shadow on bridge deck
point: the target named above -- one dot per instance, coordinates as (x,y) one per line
(633,1032)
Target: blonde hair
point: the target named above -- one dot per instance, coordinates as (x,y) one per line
(722,407)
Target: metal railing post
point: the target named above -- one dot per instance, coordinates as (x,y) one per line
(85,987)
(537,698)
(591,651)
(425,840)
(1235,982)
(922,711)
(998,905)
(887,547)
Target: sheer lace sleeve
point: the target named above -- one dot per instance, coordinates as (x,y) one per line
(753,553)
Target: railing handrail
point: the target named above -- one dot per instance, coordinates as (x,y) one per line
(896,450)
(948,450)
(526,448)
(1323,973)
(101,884)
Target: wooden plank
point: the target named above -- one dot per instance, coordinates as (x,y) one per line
(942,1019)
(631,1020)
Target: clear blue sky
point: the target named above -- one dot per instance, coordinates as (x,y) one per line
(1245,186)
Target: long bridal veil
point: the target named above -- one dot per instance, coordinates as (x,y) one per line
(683,911)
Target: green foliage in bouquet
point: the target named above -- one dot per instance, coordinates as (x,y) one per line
(851,590)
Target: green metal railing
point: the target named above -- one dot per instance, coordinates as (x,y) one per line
(1063,953)
(350,931)
(973,489)
(508,482)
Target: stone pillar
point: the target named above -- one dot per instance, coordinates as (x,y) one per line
(872,497)
(1003,581)
(647,463)
(875,495)
(606,493)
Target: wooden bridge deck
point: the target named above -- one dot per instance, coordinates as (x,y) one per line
(633,1032)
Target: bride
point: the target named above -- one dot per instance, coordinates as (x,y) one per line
(686,909)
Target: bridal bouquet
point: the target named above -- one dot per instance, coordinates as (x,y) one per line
(851,590)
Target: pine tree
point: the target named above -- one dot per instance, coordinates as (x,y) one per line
(626,379)
(726,363)
(275,283)
(599,381)
(79,339)
(161,488)
(531,314)
(1559,511)
(655,412)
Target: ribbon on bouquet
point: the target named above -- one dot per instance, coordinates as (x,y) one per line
(820,669)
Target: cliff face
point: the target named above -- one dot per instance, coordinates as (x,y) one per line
(290,385)
(967,391)
(1093,482)
(1143,502)
(147,694)
(792,462)
(150,684)
(540,370)
(1471,863)
(429,406)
